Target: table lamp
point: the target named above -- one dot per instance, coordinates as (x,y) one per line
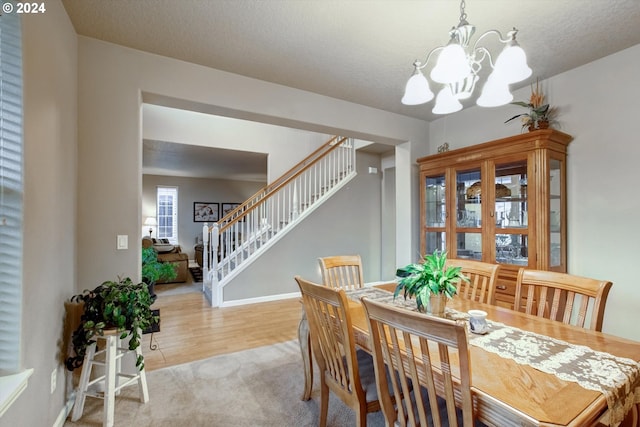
(151,222)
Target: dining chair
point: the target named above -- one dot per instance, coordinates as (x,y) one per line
(338,272)
(560,296)
(342,271)
(482,276)
(346,372)
(423,350)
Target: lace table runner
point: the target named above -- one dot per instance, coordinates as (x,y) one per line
(617,378)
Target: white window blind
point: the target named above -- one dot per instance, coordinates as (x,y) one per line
(11,189)
(167,209)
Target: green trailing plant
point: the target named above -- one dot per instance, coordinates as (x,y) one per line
(154,270)
(432,276)
(122,305)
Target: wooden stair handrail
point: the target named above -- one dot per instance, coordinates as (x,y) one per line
(283,180)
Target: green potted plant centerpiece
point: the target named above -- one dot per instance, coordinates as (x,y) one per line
(430,282)
(121,305)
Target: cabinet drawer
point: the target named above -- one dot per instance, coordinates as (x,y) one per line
(504,293)
(505,288)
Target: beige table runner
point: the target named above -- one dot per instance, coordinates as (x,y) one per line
(617,378)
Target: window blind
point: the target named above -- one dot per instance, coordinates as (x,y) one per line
(11,191)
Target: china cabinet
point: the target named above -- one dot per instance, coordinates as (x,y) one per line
(502,201)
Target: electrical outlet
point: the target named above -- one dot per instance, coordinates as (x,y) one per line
(54,379)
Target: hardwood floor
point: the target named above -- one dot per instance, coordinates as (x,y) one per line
(191,330)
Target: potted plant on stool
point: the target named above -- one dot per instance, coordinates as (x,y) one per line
(430,282)
(122,305)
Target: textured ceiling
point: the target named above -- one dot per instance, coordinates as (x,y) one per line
(356,50)
(167,158)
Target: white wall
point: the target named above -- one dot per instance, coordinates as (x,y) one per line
(192,190)
(50,167)
(598,106)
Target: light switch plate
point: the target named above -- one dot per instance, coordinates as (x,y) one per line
(123,241)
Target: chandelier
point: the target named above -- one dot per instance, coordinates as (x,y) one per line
(458,66)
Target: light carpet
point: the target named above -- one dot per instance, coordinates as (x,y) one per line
(260,387)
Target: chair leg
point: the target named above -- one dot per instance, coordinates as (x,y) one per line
(142,381)
(361,414)
(110,381)
(85,375)
(324,403)
(307,362)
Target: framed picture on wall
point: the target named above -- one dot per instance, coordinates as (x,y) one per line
(206,212)
(228,207)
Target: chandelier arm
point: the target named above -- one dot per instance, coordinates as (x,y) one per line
(511,35)
(420,65)
(485,53)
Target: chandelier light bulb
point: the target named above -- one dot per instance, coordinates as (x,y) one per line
(452,65)
(512,63)
(446,103)
(417,90)
(494,93)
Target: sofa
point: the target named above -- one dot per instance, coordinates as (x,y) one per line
(169,253)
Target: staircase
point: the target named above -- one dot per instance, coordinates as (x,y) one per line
(242,235)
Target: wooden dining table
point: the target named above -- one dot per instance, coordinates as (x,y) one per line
(507,393)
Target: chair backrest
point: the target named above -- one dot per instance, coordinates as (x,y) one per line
(482,276)
(563,297)
(332,338)
(342,271)
(440,364)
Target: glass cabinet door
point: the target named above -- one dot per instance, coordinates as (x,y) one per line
(468,215)
(555,212)
(511,214)
(435,214)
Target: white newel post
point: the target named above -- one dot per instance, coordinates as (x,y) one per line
(205,256)
(216,291)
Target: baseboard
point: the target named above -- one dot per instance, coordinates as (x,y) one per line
(260,299)
(65,411)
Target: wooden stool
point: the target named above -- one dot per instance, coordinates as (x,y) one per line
(109,358)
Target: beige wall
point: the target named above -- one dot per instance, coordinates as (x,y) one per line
(599,107)
(67,250)
(193,190)
(284,146)
(50,168)
(348,223)
(112,82)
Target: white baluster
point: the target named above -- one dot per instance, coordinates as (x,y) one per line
(295,211)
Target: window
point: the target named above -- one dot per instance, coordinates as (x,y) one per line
(13,380)
(11,189)
(167,208)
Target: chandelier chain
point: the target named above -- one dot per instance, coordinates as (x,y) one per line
(463,15)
